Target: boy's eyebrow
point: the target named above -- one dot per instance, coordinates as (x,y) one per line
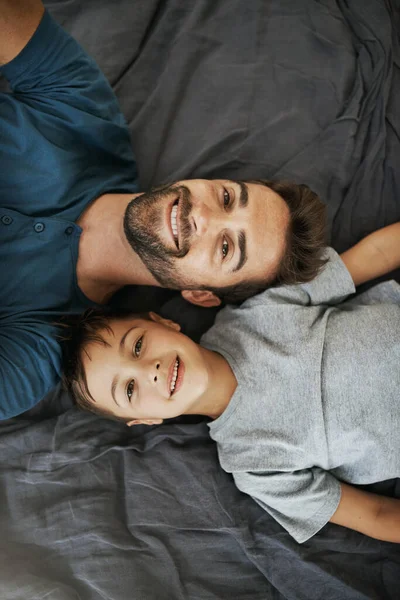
(113,388)
(122,342)
(120,350)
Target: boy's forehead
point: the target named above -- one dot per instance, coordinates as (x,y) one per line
(121,328)
(118,326)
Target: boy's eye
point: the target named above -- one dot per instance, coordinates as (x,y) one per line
(129,389)
(227,198)
(138,347)
(225,248)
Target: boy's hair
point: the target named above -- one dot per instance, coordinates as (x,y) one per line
(305,242)
(78,332)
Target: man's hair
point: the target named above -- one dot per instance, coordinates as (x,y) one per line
(77,333)
(304,244)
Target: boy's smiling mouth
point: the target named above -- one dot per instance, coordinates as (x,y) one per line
(175,375)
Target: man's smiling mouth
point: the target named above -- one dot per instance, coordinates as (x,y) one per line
(174,222)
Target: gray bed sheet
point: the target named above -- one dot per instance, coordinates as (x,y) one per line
(305,90)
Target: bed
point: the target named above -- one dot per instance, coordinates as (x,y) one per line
(303,90)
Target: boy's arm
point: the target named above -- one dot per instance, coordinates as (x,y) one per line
(19,20)
(373,515)
(375,255)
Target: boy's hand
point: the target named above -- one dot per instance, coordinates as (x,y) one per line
(373,515)
(375,255)
(19,20)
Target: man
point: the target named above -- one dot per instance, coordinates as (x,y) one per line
(74,228)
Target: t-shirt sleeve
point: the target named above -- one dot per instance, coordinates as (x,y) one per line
(301,501)
(331,286)
(54,66)
(29,368)
(272,315)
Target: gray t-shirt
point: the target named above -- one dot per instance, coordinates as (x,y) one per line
(317,397)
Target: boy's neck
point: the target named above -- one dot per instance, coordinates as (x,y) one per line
(222,386)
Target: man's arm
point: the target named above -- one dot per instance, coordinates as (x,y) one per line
(375,255)
(30,365)
(373,515)
(19,20)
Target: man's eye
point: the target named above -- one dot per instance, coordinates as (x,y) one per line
(138,347)
(129,389)
(225,248)
(227,199)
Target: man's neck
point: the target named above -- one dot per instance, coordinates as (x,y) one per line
(106,261)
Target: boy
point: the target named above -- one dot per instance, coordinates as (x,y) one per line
(303,392)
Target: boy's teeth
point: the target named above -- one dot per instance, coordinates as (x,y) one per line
(174,375)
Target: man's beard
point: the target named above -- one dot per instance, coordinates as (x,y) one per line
(143,221)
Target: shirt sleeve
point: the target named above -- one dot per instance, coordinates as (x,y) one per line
(54,66)
(301,501)
(29,367)
(331,286)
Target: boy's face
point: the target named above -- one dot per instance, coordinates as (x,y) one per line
(147,371)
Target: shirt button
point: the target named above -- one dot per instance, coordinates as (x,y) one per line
(38,227)
(6,220)
(69,230)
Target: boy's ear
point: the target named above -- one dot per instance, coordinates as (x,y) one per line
(144,422)
(167,322)
(203,298)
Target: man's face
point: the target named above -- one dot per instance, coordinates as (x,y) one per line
(208,233)
(146,370)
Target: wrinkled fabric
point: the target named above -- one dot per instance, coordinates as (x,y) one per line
(91,509)
(305,91)
(309,90)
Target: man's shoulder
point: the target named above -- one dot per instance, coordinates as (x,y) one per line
(53,66)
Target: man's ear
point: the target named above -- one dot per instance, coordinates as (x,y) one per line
(201,298)
(167,322)
(144,422)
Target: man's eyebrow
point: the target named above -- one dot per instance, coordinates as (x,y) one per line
(242,250)
(244,194)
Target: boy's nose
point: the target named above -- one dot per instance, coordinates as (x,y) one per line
(154,372)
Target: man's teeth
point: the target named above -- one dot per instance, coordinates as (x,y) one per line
(174,375)
(174,225)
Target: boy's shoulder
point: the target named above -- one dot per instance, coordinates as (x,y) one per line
(280,315)
(332,285)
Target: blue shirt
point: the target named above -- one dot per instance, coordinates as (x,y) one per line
(63,143)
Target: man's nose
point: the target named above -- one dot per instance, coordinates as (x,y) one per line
(203,219)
